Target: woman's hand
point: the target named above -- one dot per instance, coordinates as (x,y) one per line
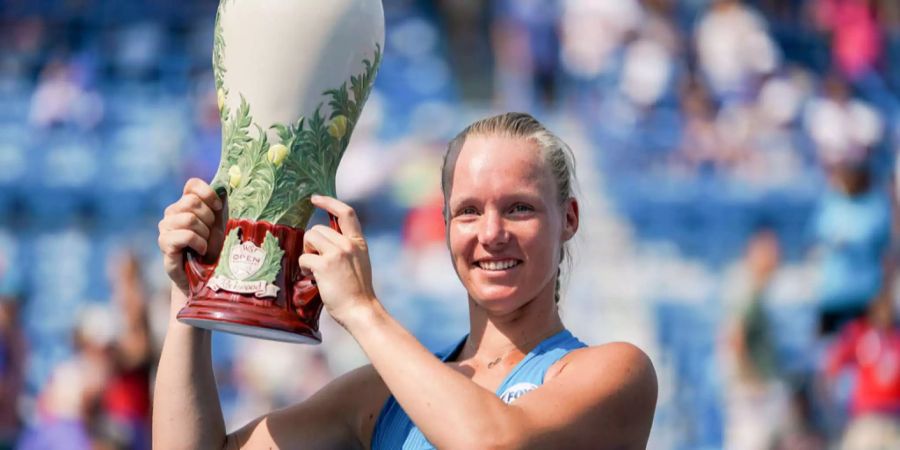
(339,261)
(194,221)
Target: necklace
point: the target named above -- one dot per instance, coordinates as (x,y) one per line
(499,359)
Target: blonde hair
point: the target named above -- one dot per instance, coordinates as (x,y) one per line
(556,154)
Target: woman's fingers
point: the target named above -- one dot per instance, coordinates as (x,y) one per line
(309,263)
(191,203)
(173,242)
(346,216)
(187,221)
(318,240)
(203,192)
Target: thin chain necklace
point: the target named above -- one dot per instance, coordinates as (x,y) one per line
(540,338)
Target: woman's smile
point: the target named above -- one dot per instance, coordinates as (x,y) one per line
(498,265)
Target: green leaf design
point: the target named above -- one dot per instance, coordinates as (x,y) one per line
(253,193)
(223,269)
(280,195)
(272,264)
(235,138)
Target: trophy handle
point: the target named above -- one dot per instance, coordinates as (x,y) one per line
(333,221)
(305,289)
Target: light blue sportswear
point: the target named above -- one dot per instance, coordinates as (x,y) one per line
(395,430)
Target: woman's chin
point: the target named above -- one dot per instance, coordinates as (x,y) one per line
(498,299)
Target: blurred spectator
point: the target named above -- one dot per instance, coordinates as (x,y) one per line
(114,355)
(701,146)
(855,36)
(762,136)
(756,396)
(592,31)
(12,364)
(272,375)
(61,98)
(852,231)
(871,346)
(734,47)
(525,40)
(841,126)
(61,422)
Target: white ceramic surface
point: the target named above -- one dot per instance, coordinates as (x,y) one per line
(282,55)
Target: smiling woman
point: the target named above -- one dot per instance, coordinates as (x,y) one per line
(519,379)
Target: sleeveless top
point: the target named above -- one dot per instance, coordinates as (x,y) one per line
(395,430)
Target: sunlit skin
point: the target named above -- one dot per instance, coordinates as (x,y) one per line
(506,230)
(504,211)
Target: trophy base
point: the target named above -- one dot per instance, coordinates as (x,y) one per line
(245,321)
(289,313)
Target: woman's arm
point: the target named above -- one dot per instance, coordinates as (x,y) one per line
(603,397)
(186,410)
(187,414)
(600,397)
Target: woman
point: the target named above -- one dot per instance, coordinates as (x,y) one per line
(509,212)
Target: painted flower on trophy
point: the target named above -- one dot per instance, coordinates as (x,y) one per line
(277,153)
(338,127)
(220,98)
(234,176)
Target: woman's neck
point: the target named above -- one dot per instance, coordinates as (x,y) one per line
(494,336)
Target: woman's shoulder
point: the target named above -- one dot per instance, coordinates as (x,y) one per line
(615,368)
(609,354)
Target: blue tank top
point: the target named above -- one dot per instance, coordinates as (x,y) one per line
(395,430)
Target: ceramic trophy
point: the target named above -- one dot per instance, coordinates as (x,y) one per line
(292,77)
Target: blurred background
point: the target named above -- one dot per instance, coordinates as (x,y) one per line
(735,162)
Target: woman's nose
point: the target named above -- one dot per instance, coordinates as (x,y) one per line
(492,231)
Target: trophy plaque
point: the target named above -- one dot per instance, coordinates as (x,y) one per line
(291,78)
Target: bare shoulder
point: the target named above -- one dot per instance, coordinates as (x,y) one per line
(616,367)
(614,355)
(340,415)
(605,393)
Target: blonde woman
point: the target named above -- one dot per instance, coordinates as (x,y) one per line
(519,379)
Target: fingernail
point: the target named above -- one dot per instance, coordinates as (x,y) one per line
(315,197)
(217,204)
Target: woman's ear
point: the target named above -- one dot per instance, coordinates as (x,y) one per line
(570,225)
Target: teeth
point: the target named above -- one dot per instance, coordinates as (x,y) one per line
(497,265)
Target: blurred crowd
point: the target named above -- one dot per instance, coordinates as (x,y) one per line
(736,161)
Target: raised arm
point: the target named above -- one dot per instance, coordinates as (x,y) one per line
(597,398)
(186,410)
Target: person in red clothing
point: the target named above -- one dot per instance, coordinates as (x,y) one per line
(872,346)
(116,356)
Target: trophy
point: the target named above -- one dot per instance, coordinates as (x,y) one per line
(291,77)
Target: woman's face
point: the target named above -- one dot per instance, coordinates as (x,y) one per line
(506,226)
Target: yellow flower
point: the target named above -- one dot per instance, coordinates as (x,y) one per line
(220,98)
(234,176)
(338,127)
(277,153)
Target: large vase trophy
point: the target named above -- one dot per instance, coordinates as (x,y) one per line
(291,77)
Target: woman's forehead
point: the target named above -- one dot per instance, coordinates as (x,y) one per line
(498,161)
(499,154)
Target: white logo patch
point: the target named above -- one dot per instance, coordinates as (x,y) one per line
(246,259)
(515,391)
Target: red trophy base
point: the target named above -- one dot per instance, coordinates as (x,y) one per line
(291,315)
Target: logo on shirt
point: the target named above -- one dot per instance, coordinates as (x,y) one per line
(515,391)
